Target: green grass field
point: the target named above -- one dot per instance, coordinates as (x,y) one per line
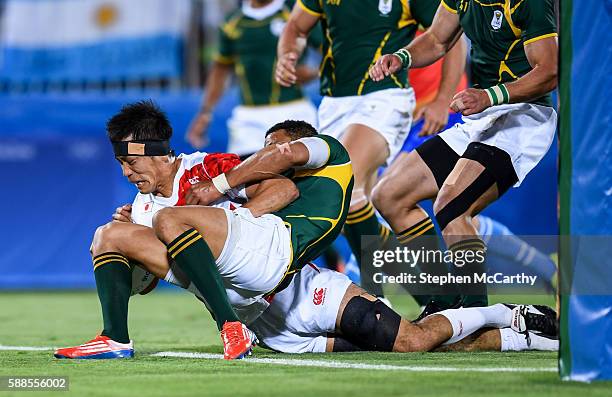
(167,321)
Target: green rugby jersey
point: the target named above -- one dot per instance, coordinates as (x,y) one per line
(498,30)
(250,45)
(358,32)
(316,218)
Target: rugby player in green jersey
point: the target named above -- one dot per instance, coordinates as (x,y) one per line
(371,119)
(247,47)
(509,119)
(241,256)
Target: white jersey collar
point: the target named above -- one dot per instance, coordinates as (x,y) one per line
(263,12)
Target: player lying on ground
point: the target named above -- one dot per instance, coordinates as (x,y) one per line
(509,122)
(285,316)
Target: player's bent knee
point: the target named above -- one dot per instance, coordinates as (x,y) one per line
(165,222)
(106,238)
(390,199)
(370,325)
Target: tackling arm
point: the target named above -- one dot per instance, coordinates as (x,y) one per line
(270,195)
(270,162)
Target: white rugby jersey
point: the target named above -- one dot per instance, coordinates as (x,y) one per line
(194,168)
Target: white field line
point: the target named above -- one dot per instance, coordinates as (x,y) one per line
(25,348)
(298,362)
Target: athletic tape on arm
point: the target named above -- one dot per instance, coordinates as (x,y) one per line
(318,152)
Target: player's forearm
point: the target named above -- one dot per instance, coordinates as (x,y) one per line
(271,195)
(541,80)
(425,50)
(453,68)
(292,40)
(268,163)
(215,86)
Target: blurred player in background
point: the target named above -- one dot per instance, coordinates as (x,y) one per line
(509,120)
(247,47)
(371,120)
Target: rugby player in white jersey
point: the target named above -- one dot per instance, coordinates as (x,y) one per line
(316,310)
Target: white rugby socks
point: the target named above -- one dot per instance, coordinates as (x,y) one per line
(466,321)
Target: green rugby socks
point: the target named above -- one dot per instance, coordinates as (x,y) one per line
(113,275)
(363,222)
(422,235)
(194,257)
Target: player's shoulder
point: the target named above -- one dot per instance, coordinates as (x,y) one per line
(209,164)
(232,20)
(191,160)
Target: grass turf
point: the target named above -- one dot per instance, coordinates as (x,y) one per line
(175,321)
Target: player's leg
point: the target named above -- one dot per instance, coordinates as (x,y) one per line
(368,324)
(114,248)
(414,177)
(182,229)
(480,176)
(368,150)
(505,339)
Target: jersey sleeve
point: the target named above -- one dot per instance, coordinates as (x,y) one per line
(226,52)
(450,5)
(216,164)
(423,11)
(536,19)
(312,7)
(337,153)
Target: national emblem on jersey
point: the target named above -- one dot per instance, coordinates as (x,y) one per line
(385,6)
(496,22)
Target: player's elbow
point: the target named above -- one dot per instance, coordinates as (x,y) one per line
(293,192)
(548,76)
(552,77)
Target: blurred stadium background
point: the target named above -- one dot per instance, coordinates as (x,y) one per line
(67,65)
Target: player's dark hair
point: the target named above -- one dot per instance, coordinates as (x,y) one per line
(144,120)
(296,129)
